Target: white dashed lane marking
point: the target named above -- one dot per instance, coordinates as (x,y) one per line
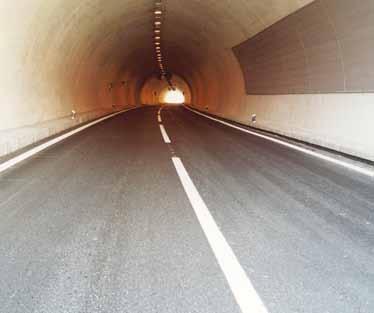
(164,134)
(244,292)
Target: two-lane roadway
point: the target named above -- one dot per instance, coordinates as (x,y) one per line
(102,223)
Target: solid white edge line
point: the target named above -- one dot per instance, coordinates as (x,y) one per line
(244,292)
(159,118)
(164,134)
(23,156)
(353,167)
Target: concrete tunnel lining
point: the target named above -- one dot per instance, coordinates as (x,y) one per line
(94,57)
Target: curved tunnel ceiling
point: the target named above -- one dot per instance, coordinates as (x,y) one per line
(118,34)
(72,50)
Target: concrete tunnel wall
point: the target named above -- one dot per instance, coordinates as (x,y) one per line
(94,56)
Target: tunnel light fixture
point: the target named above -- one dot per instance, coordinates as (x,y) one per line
(158,21)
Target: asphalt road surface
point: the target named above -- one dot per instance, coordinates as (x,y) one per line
(101,223)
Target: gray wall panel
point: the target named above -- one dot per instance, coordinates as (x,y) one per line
(326,47)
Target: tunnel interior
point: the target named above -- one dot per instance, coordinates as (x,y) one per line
(303,67)
(252,193)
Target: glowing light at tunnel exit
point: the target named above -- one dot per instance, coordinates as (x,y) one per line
(174,97)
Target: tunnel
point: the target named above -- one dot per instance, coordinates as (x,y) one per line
(186,156)
(303,67)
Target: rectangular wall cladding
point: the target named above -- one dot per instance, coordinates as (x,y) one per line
(326,47)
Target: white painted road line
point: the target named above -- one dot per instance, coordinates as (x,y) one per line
(245,294)
(361,170)
(7,164)
(164,134)
(159,118)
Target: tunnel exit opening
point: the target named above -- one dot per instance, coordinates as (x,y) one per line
(172,96)
(156,91)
